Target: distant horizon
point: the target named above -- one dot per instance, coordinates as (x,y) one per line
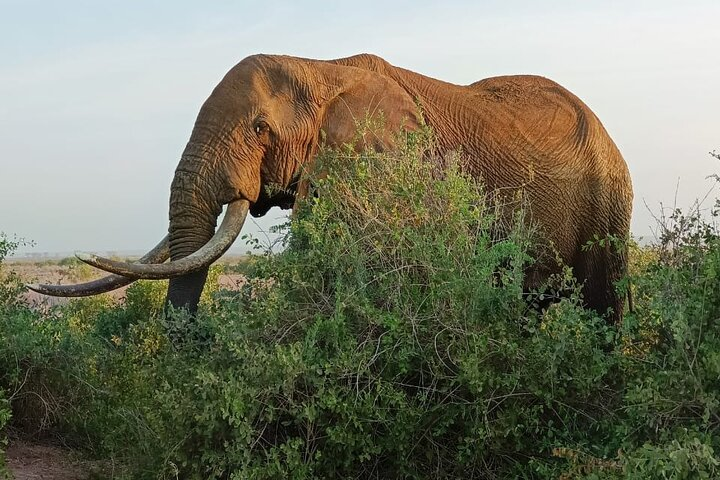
(131,254)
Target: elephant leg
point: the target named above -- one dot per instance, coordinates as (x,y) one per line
(600,269)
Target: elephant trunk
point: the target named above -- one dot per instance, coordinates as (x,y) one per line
(193,215)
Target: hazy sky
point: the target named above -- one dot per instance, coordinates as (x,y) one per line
(98,98)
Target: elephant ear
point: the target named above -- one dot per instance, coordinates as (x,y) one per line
(365,109)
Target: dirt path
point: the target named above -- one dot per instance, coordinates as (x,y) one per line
(28,461)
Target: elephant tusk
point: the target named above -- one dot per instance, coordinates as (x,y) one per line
(159,254)
(208,253)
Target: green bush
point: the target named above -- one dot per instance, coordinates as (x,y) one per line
(5,414)
(67,366)
(10,289)
(392,338)
(10,285)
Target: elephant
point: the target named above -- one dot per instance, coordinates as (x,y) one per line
(267,118)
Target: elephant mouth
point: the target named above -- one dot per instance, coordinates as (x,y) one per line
(274,196)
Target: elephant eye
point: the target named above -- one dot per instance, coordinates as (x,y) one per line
(261,127)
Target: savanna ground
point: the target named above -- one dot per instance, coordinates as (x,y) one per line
(71,270)
(392,338)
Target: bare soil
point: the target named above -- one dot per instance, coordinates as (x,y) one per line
(28,461)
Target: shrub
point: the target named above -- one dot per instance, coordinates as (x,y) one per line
(5,415)
(10,285)
(392,338)
(10,288)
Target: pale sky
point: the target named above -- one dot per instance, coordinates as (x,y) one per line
(98,98)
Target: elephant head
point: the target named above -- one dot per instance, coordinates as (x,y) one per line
(254,135)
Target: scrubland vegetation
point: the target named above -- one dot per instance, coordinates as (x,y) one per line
(391,338)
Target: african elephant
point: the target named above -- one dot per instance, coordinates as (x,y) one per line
(263,122)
